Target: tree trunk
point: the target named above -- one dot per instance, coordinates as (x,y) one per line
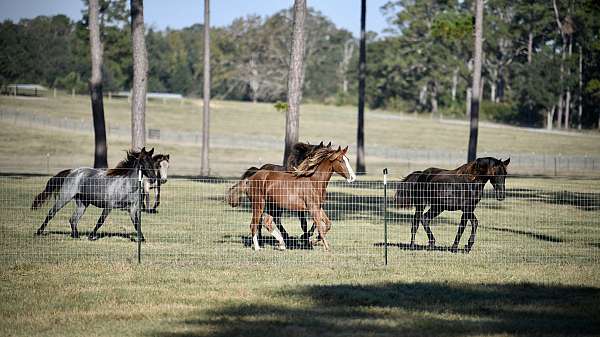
(295,78)
(550,117)
(96,51)
(580,114)
(530,48)
(454,83)
(204,165)
(140,76)
(568,95)
(434,101)
(475,99)
(423,96)
(362,74)
(468,100)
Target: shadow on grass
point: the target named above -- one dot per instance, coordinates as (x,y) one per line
(292,242)
(85,234)
(401,309)
(533,235)
(407,246)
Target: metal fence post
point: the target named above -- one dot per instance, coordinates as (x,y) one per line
(139,215)
(385,229)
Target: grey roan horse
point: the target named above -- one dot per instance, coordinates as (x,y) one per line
(116,188)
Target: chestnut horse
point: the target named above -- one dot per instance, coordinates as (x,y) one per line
(451,190)
(299,152)
(302,190)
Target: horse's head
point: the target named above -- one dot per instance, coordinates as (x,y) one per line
(341,164)
(146,164)
(495,170)
(161,164)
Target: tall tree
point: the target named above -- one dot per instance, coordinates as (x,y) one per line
(204,166)
(362,74)
(96,51)
(295,78)
(140,76)
(475,98)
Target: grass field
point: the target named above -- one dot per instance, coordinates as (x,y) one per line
(239,121)
(534,270)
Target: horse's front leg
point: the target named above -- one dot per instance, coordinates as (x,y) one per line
(156,198)
(474,224)
(135,219)
(461,228)
(317,215)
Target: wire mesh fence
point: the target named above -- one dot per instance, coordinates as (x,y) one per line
(541,220)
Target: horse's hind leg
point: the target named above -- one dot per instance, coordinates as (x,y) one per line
(268,222)
(257,210)
(429,215)
(415,226)
(461,228)
(74,220)
(93,235)
(58,205)
(474,224)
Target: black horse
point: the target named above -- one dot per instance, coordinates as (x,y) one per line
(451,190)
(115,188)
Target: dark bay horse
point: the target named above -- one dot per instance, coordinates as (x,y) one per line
(300,151)
(107,189)
(303,190)
(451,190)
(161,167)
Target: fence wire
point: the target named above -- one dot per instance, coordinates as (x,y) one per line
(541,220)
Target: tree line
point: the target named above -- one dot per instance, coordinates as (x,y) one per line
(540,59)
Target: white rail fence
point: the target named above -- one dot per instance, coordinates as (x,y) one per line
(541,220)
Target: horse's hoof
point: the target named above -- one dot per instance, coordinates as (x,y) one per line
(454,249)
(151,211)
(93,237)
(256,249)
(431,245)
(39,233)
(280,247)
(468,249)
(412,246)
(75,235)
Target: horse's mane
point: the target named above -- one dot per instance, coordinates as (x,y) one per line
(310,164)
(299,152)
(124,166)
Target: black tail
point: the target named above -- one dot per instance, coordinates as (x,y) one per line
(53,185)
(407,190)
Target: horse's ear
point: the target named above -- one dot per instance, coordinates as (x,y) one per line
(345,150)
(329,145)
(151,152)
(167,156)
(321,144)
(506,162)
(143,150)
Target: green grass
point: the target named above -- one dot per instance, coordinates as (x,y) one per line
(534,269)
(241,120)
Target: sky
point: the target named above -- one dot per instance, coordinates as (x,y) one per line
(182,13)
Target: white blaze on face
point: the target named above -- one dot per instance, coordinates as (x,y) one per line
(164,167)
(350,170)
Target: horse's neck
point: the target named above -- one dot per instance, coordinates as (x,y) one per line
(322,176)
